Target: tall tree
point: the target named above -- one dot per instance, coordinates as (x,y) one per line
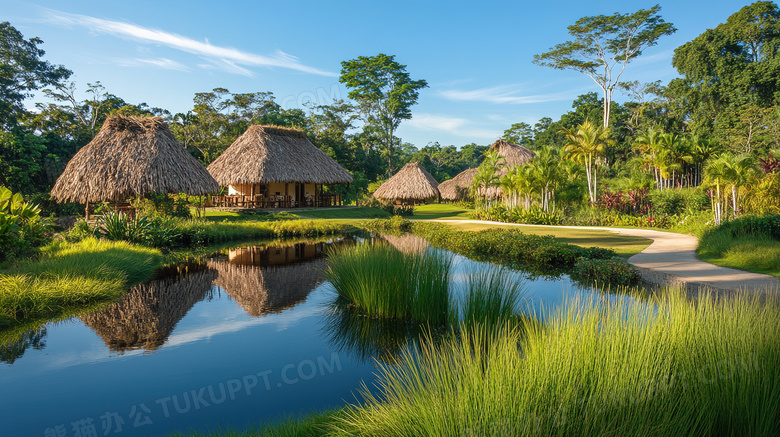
(603,46)
(734,64)
(384,92)
(519,133)
(21,72)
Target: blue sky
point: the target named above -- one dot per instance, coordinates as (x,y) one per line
(476,56)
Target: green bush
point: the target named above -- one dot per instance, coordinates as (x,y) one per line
(22,230)
(610,271)
(532,216)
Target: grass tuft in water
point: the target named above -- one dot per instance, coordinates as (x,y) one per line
(492,297)
(381,281)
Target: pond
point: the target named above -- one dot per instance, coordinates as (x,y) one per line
(233,340)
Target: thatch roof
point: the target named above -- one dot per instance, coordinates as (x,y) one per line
(131,156)
(266,154)
(412,182)
(448,188)
(514,155)
(148,313)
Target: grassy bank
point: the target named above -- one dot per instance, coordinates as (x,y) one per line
(750,243)
(72,276)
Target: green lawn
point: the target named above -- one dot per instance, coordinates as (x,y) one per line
(440,211)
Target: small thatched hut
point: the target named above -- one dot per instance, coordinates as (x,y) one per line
(131,156)
(454,189)
(148,313)
(514,155)
(411,184)
(277,161)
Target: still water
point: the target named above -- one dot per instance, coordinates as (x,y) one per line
(237,339)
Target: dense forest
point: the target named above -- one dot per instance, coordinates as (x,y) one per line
(716,128)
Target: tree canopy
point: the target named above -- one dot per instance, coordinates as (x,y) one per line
(603,46)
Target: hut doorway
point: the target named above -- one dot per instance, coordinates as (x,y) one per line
(300,194)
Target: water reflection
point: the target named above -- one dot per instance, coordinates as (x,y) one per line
(13,350)
(145,316)
(370,338)
(270,279)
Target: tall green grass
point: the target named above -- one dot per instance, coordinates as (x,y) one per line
(492,297)
(702,368)
(68,276)
(381,281)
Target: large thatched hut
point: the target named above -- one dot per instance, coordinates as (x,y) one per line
(277,161)
(514,155)
(411,184)
(147,314)
(131,156)
(457,187)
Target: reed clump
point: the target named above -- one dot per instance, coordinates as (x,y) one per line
(381,281)
(709,367)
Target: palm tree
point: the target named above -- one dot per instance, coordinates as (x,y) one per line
(546,169)
(649,144)
(741,169)
(586,143)
(716,174)
(487,173)
(701,150)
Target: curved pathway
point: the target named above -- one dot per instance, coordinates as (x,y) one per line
(671,260)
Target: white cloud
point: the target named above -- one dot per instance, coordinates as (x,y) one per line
(453,125)
(511,94)
(227,58)
(164,63)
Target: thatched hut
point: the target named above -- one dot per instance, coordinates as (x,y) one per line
(277,161)
(148,313)
(131,156)
(411,184)
(514,155)
(457,187)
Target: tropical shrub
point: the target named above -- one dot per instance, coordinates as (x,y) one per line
(611,271)
(22,229)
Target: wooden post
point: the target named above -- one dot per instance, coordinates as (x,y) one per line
(87,211)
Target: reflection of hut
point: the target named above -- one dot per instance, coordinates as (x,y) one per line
(408,243)
(274,255)
(147,314)
(270,279)
(270,289)
(277,161)
(131,156)
(411,184)
(458,187)
(514,155)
